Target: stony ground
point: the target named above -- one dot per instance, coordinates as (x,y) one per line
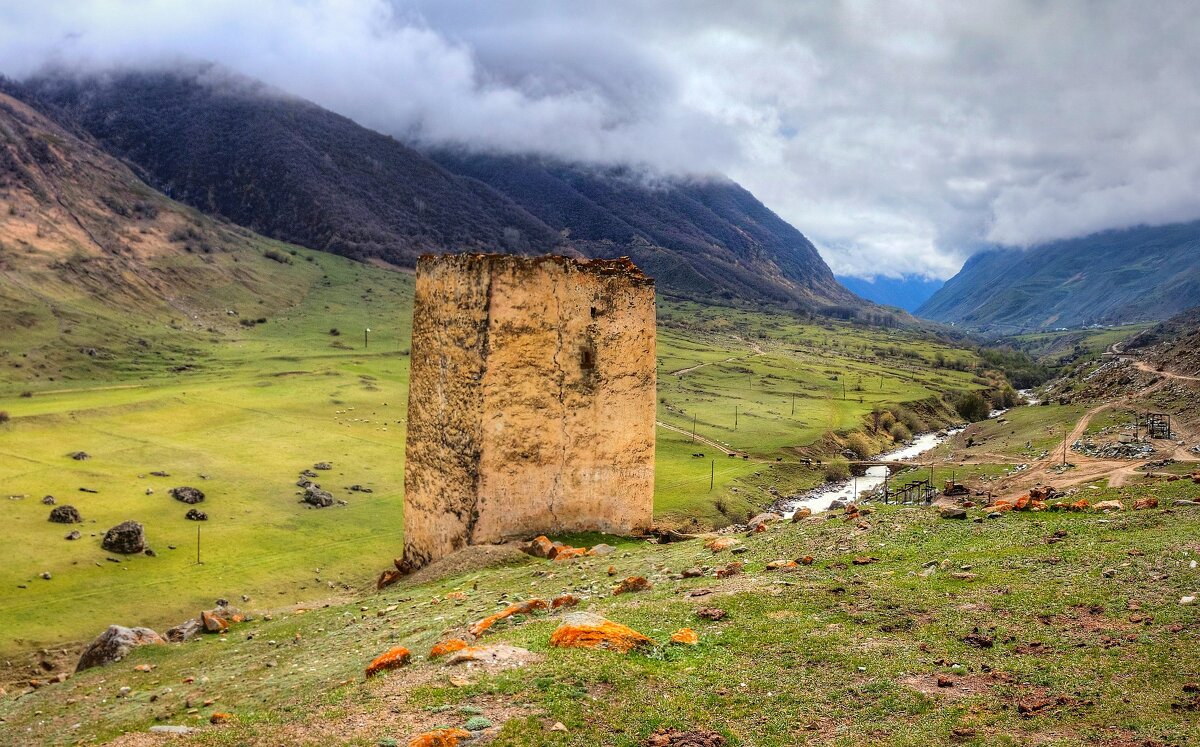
(1035,628)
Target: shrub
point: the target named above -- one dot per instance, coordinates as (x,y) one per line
(4,418)
(26,395)
(859,444)
(246,322)
(1004,399)
(334,331)
(837,471)
(972,406)
(900,432)
(278,256)
(911,420)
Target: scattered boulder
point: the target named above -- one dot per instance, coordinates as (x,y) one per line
(314,496)
(601,550)
(115,644)
(1109,506)
(589,630)
(65,514)
(711,613)
(538,547)
(73,535)
(564,600)
(391,659)
(801,514)
(449,737)
(720,544)
(676,738)
(127,538)
(187,495)
(781,565)
(213,622)
(953,512)
(522,608)
(447,647)
(195,515)
(79,456)
(489,656)
(685,637)
(762,520)
(185,631)
(632,584)
(323,465)
(48,500)
(1145,503)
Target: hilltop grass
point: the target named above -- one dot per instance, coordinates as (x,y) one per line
(831,654)
(251,404)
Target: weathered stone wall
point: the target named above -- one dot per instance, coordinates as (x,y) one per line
(531,401)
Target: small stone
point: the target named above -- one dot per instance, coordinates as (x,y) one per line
(195,515)
(1109,572)
(323,465)
(46,575)
(1190,599)
(73,535)
(48,500)
(558,726)
(953,512)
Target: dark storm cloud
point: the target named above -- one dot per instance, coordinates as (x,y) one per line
(900,136)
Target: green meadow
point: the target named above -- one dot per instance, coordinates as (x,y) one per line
(241,391)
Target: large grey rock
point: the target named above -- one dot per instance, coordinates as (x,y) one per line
(185,631)
(65,514)
(127,538)
(314,496)
(187,494)
(115,644)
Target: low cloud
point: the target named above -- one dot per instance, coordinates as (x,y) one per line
(899,136)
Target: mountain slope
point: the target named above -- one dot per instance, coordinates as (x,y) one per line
(710,236)
(289,169)
(1136,274)
(907,293)
(93,262)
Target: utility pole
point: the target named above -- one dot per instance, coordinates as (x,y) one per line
(366,331)
(1064,446)
(735,417)
(693,429)
(198,545)
(712,475)
(793,404)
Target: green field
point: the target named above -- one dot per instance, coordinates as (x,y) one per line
(239,410)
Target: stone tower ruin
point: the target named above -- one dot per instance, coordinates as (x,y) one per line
(531,401)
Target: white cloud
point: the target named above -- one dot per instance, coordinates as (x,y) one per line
(899,136)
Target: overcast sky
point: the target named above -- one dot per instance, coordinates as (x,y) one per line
(899,136)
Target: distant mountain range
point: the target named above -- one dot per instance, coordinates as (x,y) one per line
(288,169)
(1115,277)
(907,293)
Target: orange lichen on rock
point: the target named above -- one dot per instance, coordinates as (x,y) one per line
(806,560)
(1080,505)
(392,659)
(447,647)
(564,600)
(521,608)
(1150,502)
(631,584)
(685,637)
(781,565)
(220,718)
(567,552)
(589,630)
(731,569)
(440,738)
(721,543)
(1022,503)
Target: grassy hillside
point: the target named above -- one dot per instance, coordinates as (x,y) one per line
(956,634)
